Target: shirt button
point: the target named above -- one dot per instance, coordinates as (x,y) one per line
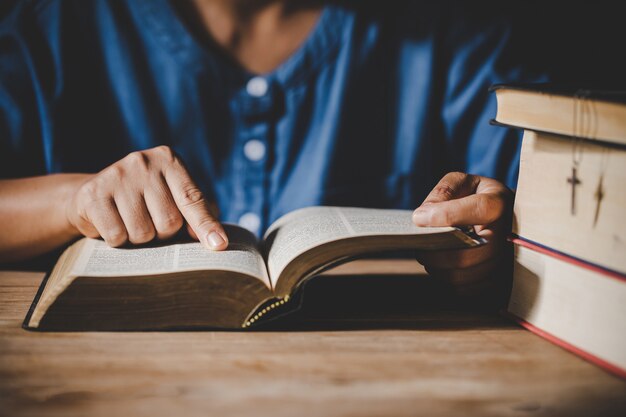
(254,150)
(250,221)
(257,86)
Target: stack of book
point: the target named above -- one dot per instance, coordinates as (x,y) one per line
(569,227)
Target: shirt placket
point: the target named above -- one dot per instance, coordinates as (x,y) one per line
(254,106)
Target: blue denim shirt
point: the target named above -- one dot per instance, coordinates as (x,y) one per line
(372,109)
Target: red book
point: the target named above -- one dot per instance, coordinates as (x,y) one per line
(574,304)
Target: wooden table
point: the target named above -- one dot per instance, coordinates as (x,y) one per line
(338,358)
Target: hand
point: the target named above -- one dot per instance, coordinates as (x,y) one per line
(146,195)
(462,199)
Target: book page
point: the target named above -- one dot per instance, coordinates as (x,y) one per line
(242,255)
(304,229)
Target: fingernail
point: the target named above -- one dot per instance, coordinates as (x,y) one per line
(215,240)
(419,216)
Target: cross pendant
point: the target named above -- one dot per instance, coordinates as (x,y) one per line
(599,195)
(574,181)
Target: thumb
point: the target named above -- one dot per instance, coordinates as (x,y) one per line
(453,185)
(476,209)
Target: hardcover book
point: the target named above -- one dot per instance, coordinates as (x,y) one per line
(572,112)
(183,285)
(569,279)
(570,194)
(582,215)
(575,305)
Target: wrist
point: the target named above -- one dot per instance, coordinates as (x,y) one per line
(67,194)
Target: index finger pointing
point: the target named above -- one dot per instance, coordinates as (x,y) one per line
(194,208)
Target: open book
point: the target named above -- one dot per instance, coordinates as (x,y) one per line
(184,285)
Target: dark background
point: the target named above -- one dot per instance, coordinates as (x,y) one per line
(580,44)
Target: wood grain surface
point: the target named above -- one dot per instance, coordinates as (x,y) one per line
(364,358)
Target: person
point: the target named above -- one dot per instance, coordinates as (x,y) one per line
(128,121)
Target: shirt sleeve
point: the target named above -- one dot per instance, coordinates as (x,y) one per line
(22,98)
(481,52)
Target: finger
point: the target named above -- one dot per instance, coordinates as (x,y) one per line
(476,209)
(213,209)
(453,259)
(103,214)
(453,185)
(191,232)
(134,213)
(491,186)
(87,228)
(194,208)
(166,217)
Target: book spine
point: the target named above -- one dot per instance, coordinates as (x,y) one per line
(259,314)
(612,368)
(26,323)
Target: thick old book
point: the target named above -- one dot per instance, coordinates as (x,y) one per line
(575,305)
(574,112)
(570,194)
(183,285)
(582,215)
